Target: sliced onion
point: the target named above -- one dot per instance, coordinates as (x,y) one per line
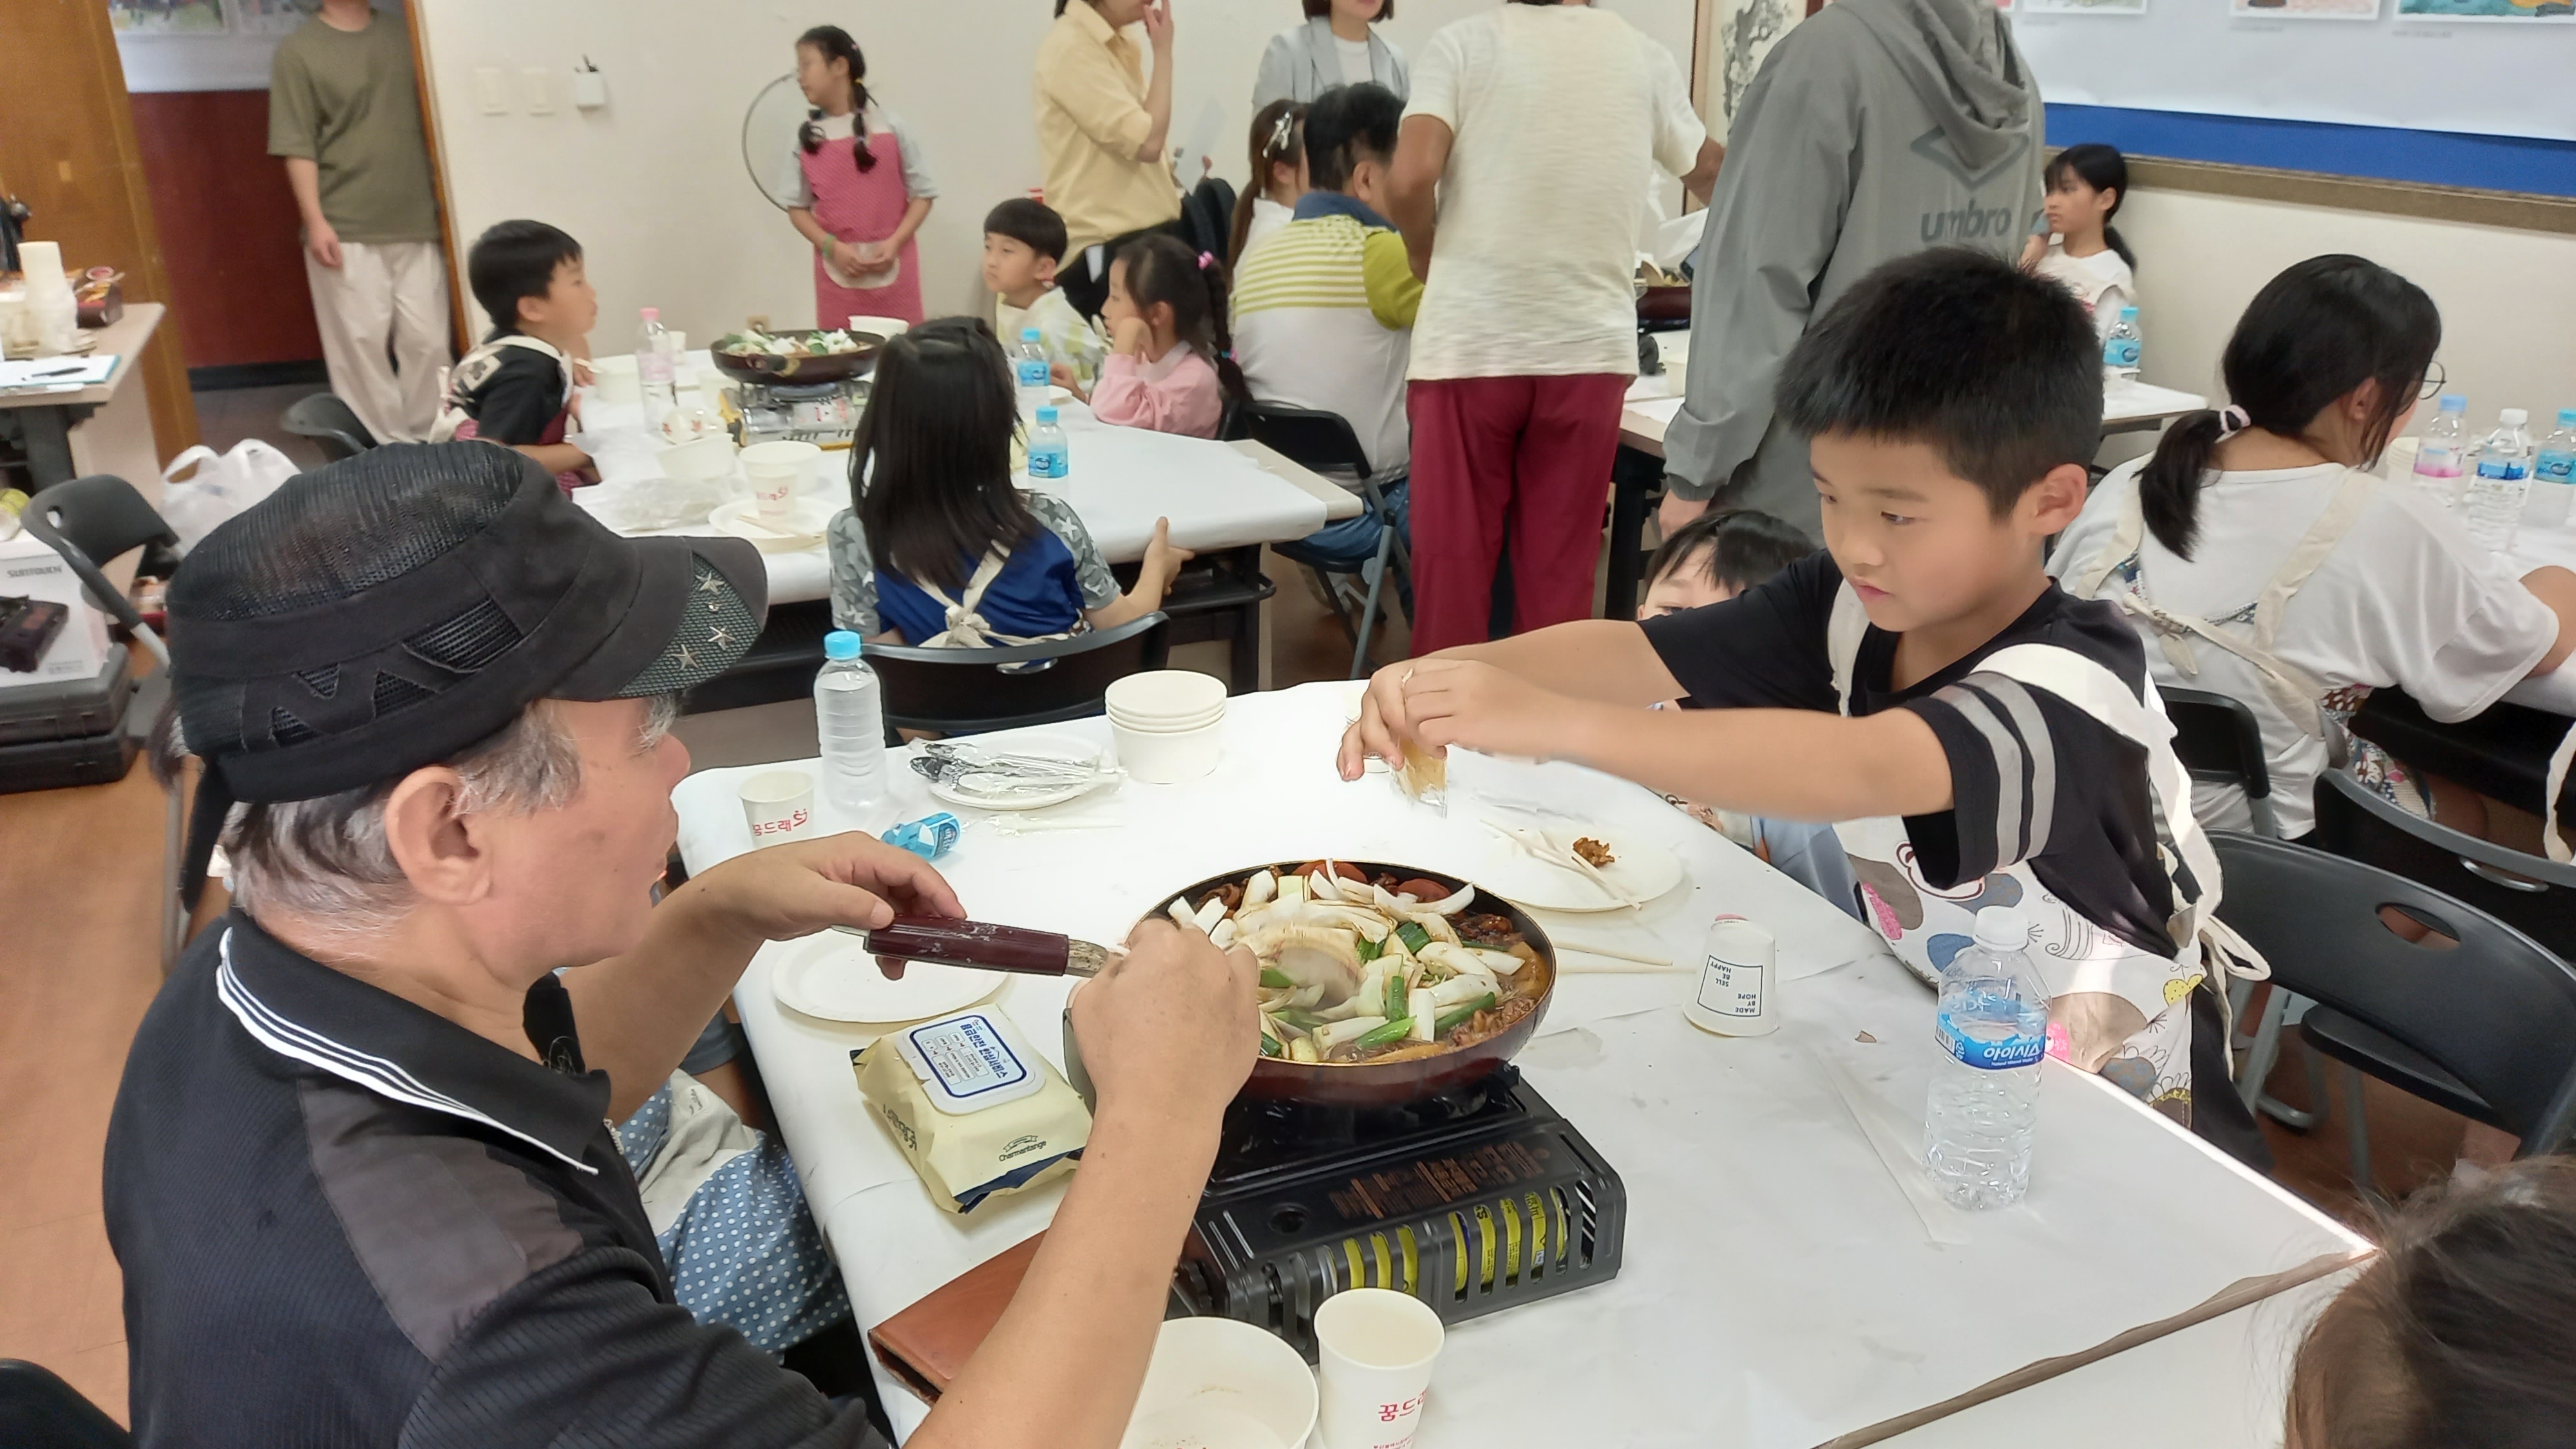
(1452,905)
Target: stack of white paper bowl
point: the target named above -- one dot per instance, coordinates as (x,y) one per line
(1169,724)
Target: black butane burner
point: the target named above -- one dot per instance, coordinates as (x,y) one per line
(1472,1202)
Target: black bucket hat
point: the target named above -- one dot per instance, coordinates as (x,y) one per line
(389,611)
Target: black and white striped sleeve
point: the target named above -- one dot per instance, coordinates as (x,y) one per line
(2028,771)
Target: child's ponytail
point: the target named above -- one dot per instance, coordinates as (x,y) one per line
(1220,348)
(833,43)
(2315,333)
(1163,270)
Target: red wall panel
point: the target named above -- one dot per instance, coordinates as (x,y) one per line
(228,227)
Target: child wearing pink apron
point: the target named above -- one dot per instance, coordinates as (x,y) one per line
(862,206)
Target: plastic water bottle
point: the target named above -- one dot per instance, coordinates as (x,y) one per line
(2442,454)
(2122,348)
(1992,1028)
(2499,480)
(2553,475)
(1049,455)
(849,716)
(1029,370)
(655,369)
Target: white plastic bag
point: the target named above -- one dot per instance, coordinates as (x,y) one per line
(225,485)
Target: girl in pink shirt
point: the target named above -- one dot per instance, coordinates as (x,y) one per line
(1171,364)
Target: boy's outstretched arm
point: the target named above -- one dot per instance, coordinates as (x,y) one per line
(1792,764)
(1607,660)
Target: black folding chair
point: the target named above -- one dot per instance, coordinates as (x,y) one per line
(1207,214)
(973,691)
(2532,894)
(39,1411)
(330,423)
(2486,1028)
(1324,442)
(92,522)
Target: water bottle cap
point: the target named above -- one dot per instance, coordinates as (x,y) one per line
(1031,334)
(2001,928)
(1048,415)
(652,314)
(2513,417)
(2567,417)
(841,644)
(2128,314)
(2453,402)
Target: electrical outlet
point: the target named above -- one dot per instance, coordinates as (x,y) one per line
(538,83)
(489,90)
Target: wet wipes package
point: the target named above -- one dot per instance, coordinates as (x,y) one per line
(976,1110)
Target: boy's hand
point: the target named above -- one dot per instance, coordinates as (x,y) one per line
(1487,709)
(1162,557)
(323,243)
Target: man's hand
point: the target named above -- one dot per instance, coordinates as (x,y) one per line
(1158,26)
(804,886)
(1677,512)
(1169,1029)
(1486,708)
(323,243)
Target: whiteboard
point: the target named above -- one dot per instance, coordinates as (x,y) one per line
(2498,78)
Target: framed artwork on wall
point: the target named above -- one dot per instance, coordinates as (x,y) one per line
(166,17)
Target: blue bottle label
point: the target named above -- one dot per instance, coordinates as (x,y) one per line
(2508,469)
(1987,1046)
(2557,467)
(2120,352)
(1032,372)
(1049,462)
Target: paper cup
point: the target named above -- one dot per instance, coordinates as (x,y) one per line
(775,471)
(1376,1348)
(778,805)
(1168,758)
(613,379)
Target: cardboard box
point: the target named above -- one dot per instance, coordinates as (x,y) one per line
(29,567)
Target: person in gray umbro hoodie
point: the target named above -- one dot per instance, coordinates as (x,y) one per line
(1876,129)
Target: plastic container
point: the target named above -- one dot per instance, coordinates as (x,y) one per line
(2442,454)
(849,719)
(2499,481)
(1050,456)
(2553,475)
(52,312)
(1738,993)
(930,837)
(1168,724)
(2122,348)
(1030,372)
(1992,1030)
(655,369)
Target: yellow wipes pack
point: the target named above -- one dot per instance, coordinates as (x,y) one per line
(976,1110)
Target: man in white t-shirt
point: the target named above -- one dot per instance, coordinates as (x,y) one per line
(1532,123)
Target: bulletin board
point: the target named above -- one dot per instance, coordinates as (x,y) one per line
(2313,80)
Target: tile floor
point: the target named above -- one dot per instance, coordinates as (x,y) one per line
(74,983)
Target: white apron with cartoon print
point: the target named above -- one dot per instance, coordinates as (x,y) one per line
(2114,1009)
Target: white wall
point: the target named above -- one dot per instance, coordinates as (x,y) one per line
(654,185)
(2506,334)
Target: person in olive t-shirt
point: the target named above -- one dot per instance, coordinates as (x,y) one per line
(344,112)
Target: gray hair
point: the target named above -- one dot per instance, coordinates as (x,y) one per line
(326,861)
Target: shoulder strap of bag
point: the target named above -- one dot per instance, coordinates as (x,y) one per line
(1843,633)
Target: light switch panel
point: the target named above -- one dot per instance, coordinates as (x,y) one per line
(537,83)
(490,90)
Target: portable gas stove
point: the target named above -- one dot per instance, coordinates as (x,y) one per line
(1473,1202)
(823,413)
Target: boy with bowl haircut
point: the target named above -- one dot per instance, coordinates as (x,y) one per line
(1998,741)
(1024,243)
(516,389)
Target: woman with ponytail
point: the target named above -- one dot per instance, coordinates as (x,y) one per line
(2263,559)
(862,188)
(1171,361)
(2080,249)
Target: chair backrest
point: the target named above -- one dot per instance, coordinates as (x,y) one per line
(1309,437)
(92,522)
(971,691)
(2218,739)
(39,1411)
(2534,895)
(2498,1011)
(327,420)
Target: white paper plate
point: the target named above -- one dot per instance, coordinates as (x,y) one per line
(834,978)
(801,529)
(1644,870)
(1062,747)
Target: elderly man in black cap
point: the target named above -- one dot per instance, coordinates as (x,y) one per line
(359,1176)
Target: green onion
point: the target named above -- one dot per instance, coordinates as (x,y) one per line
(1394,995)
(1413,936)
(1371,950)
(1273,977)
(1270,1046)
(1450,1020)
(1395,1030)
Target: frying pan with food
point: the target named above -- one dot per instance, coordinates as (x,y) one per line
(762,366)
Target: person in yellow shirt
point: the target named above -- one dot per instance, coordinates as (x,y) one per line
(1103,125)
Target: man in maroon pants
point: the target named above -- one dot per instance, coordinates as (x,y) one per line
(1536,124)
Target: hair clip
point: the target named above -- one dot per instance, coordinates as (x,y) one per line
(2231,421)
(1280,134)
(1206,260)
